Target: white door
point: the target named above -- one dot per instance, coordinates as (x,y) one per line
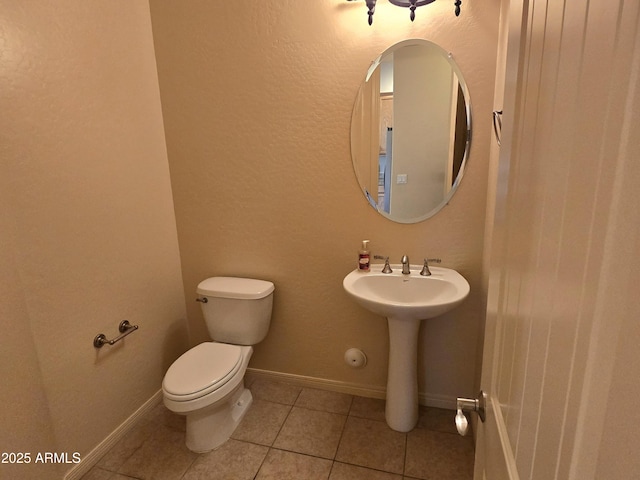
(561,361)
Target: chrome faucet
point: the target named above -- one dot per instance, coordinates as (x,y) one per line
(405,265)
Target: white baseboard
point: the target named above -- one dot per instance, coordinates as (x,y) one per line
(90,459)
(370,391)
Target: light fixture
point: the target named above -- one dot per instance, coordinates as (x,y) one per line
(410,4)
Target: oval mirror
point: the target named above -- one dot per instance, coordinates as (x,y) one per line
(411,131)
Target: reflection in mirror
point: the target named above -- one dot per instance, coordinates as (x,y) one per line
(411,131)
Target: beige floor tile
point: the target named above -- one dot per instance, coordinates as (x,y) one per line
(99,474)
(127,446)
(232,461)
(371,408)
(372,444)
(161,414)
(281,465)
(324,401)
(262,422)
(274,391)
(162,456)
(342,471)
(311,432)
(439,456)
(306,429)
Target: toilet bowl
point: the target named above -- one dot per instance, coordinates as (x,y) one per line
(213,399)
(206,383)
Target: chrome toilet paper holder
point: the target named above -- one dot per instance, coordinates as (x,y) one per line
(477,405)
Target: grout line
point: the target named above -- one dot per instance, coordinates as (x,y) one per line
(281,426)
(261,463)
(191,464)
(406,445)
(344,427)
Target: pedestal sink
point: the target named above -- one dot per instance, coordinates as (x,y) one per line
(406,300)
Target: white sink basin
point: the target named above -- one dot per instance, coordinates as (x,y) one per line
(407,296)
(405,300)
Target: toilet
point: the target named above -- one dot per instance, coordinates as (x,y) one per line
(207,382)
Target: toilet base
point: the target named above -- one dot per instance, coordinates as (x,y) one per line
(210,427)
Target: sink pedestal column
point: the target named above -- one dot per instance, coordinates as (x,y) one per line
(401,410)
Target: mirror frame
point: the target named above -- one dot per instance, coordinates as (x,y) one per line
(467,99)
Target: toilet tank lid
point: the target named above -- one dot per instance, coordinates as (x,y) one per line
(235,287)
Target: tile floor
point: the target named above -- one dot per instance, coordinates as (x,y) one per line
(296,433)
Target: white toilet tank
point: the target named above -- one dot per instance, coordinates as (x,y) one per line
(237,310)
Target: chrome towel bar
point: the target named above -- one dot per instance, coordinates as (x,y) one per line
(125,329)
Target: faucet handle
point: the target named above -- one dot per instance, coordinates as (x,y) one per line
(425,272)
(387,267)
(433,260)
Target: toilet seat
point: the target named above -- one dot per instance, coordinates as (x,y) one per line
(202,370)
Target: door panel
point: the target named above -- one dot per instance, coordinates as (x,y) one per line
(570,81)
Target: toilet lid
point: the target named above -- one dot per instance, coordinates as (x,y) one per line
(201,370)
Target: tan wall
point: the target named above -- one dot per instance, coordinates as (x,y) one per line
(88,228)
(257,105)
(25,421)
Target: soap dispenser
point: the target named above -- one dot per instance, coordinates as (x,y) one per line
(364,257)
